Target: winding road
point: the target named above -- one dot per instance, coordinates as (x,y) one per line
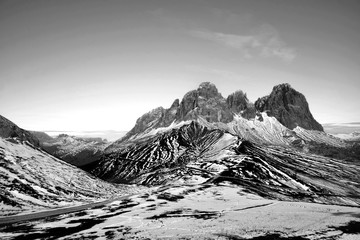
(39,215)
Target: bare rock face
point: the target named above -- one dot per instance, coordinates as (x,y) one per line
(289,107)
(9,129)
(205,102)
(237,101)
(150,119)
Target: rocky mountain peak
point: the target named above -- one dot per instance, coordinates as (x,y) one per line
(282,87)
(237,101)
(175,104)
(205,102)
(208,90)
(289,107)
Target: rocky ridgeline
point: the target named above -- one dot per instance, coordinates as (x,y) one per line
(159,158)
(287,105)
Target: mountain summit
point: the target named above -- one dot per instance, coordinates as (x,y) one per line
(284,103)
(289,107)
(205,102)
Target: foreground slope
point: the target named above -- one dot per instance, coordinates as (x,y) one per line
(31,179)
(222,211)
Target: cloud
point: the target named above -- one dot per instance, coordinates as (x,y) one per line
(265,43)
(224,74)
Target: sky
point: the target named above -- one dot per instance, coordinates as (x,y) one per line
(99,65)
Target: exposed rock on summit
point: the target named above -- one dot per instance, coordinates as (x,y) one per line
(205,102)
(289,107)
(237,101)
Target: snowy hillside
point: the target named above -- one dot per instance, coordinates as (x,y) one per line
(31,179)
(194,153)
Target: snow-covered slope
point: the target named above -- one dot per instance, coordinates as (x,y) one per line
(194,153)
(225,211)
(31,179)
(262,129)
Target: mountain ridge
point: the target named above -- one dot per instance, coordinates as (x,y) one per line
(193,153)
(287,105)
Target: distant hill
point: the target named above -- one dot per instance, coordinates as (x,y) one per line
(342,128)
(77,151)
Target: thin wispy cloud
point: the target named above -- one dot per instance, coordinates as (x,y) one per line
(222,73)
(264,43)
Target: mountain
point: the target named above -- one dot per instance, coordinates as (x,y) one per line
(31,179)
(41,136)
(193,153)
(339,129)
(206,138)
(205,102)
(77,151)
(109,135)
(289,107)
(10,130)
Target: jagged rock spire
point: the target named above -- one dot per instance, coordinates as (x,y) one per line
(289,107)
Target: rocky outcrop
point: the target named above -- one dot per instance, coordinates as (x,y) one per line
(289,107)
(10,130)
(237,101)
(148,120)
